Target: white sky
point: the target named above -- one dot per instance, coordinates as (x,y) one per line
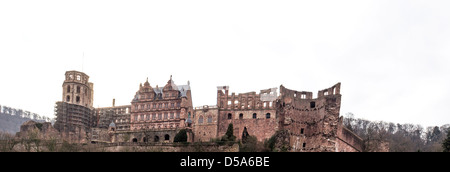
(392,57)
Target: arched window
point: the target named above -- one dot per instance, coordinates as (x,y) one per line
(68,89)
(166,137)
(134,140)
(200,120)
(241,116)
(254,115)
(156,139)
(229,116)
(209,119)
(267,115)
(145,140)
(78,99)
(78,89)
(68,98)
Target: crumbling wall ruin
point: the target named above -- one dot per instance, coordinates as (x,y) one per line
(314,123)
(251,111)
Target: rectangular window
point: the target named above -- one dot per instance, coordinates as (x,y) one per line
(302,130)
(178,115)
(165,115)
(159,116)
(171,115)
(312,104)
(209,119)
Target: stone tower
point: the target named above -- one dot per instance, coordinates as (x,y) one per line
(77,89)
(75,113)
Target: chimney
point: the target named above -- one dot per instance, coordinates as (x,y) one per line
(114,102)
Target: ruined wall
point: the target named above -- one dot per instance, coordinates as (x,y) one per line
(120,115)
(348,141)
(255,112)
(38,130)
(205,123)
(311,122)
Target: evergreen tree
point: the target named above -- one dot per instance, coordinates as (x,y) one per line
(229,134)
(181,136)
(446,143)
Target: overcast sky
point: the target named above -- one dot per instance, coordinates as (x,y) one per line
(392,57)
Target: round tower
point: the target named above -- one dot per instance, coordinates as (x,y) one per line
(77,89)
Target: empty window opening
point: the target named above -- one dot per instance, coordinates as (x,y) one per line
(68,98)
(78,77)
(312,104)
(241,116)
(134,140)
(270,104)
(334,91)
(304,145)
(325,93)
(302,131)
(166,137)
(145,140)
(254,115)
(229,102)
(156,139)
(78,99)
(68,88)
(78,89)
(236,102)
(267,115)
(265,104)
(229,116)
(303,96)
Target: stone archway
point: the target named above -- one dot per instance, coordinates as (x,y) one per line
(166,137)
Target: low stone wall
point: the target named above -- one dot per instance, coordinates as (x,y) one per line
(168,147)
